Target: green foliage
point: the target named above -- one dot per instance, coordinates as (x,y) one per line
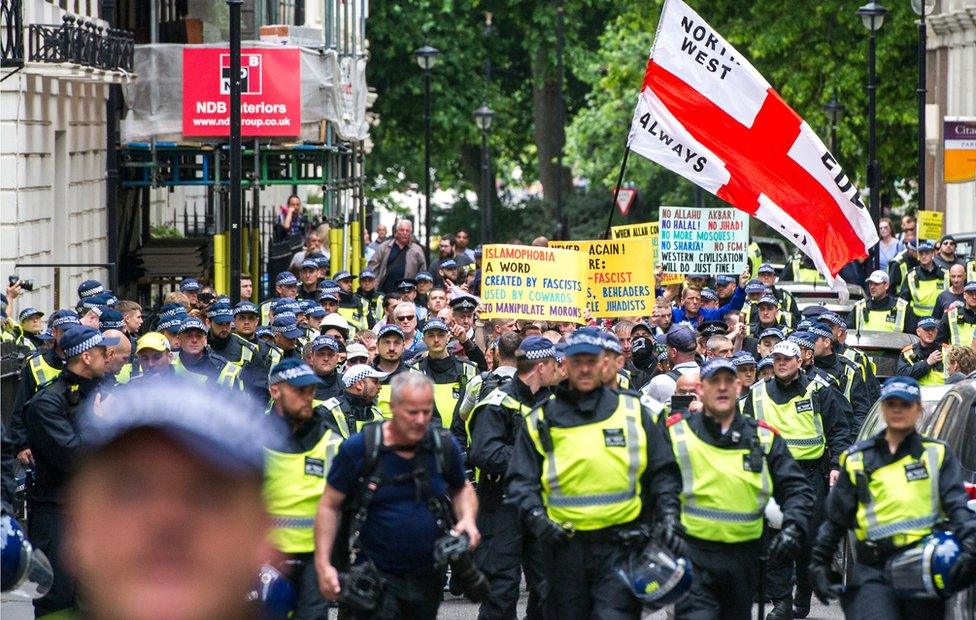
(807,51)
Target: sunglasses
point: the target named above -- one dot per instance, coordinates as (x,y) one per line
(405,318)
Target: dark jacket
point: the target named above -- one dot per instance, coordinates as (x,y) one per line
(52,420)
(414,261)
(836,366)
(26,389)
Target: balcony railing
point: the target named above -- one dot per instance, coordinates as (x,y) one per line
(12,38)
(79,42)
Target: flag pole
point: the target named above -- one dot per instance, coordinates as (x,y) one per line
(616,189)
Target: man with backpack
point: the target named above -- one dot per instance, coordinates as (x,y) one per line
(484,383)
(406,508)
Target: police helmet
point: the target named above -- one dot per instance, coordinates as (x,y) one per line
(655,577)
(923,570)
(24,567)
(274,592)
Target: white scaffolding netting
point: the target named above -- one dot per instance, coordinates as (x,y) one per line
(333,89)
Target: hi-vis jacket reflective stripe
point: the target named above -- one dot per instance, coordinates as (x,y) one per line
(591,473)
(229,376)
(42,372)
(898,508)
(755,257)
(721,500)
(446,395)
(293,485)
(924,293)
(343,422)
(798,421)
(892,320)
(960,333)
(805,274)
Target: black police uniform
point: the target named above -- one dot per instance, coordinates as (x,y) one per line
(52,421)
(837,432)
(894,268)
(345,413)
(579,572)
(835,365)
(889,304)
(254,372)
(866,367)
(441,371)
(869,594)
(914,361)
(308,295)
(506,545)
(26,389)
(268,352)
(727,573)
(370,299)
(331,386)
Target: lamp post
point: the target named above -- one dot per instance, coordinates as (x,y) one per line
(483,118)
(872,16)
(236,240)
(921,8)
(426,57)
(834,111)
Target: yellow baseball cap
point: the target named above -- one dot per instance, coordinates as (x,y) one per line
(154,341)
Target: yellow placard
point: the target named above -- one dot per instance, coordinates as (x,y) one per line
(629,231)
(532,283)
(620,275)
(646,229)
(930,225)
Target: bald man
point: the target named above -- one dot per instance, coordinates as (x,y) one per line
(689,384)
(118,354)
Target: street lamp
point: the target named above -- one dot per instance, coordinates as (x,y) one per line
(872,16)
(483,118)
(834,111)
(426,57)
(921,8)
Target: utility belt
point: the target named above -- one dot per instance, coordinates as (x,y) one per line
(876,553)
(631,534)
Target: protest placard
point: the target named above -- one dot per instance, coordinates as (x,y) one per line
(930,225)
(646,229)
(532,283)
(620,275)
(703,241)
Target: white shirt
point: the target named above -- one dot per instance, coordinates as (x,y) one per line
(662,387)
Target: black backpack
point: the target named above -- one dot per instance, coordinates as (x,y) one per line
(355,506)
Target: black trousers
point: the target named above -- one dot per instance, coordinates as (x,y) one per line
(726,576)
(780,574)
(870,597)
(506,550)
(45,532)
(309,602)
(581,582)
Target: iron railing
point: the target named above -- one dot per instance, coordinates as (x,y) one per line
(82,43)
(12,39)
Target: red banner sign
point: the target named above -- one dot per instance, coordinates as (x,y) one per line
(271,96)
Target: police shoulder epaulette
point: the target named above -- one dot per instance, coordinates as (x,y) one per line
(907,348)
(651,403)
(673,419)
(864,444)
(331,403)
(767,426)
(848,362)
(495,397)
(926,439)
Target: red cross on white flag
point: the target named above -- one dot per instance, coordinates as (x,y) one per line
(705,113)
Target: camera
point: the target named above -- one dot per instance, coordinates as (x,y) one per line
(465,578)
(27,285)
(361,588)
